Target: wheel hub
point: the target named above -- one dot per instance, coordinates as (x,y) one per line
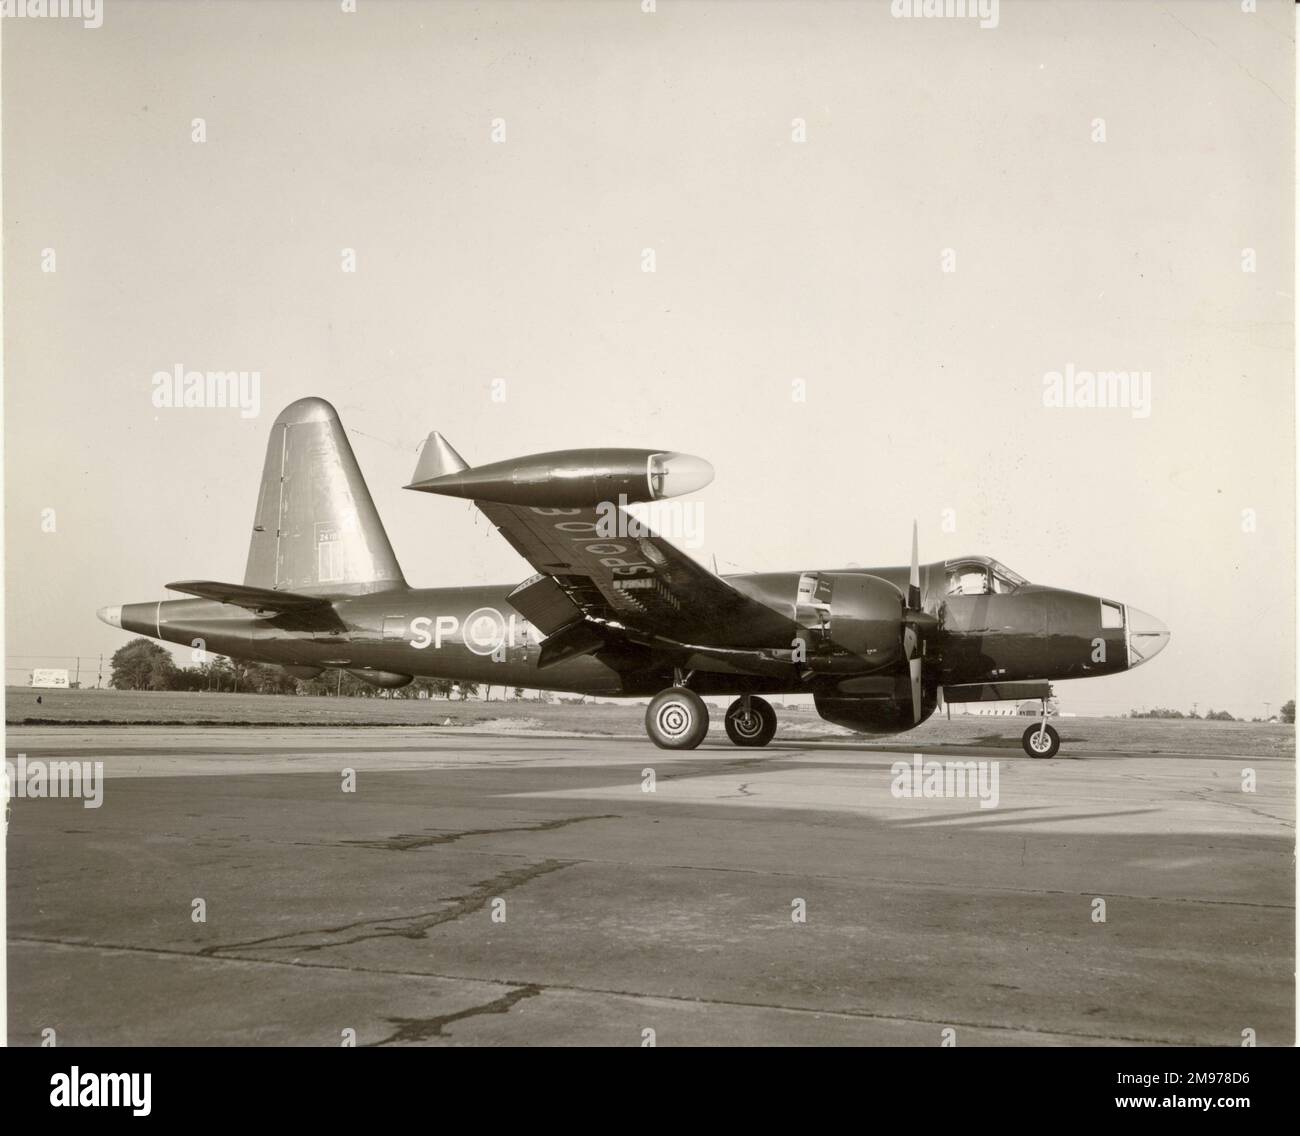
(674,719)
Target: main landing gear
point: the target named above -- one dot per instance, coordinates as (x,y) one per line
(1041,740)
(750,721)
(677,718)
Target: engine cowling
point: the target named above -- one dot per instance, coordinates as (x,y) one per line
(855,621)
(888,712)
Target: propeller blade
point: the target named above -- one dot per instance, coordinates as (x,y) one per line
(914,580)
(914,666)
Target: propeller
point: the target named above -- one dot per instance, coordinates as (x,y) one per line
(917,628)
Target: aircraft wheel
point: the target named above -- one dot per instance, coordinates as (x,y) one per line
(753,727)
(677,718)
(1041,741)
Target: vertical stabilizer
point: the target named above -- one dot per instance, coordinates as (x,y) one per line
(316,528)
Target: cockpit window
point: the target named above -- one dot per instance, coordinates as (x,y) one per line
(968,580)
(1010,580)
(982,577)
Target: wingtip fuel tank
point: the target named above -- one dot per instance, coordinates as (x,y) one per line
(567,478)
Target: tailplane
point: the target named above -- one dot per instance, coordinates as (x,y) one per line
(316,528)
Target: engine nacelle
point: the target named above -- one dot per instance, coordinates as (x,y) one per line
(386,679)
(853,613)
(876,714)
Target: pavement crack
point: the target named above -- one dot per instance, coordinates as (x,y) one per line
(407,841)
(416,1030)
(415,926)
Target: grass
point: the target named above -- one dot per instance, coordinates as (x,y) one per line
(798,723)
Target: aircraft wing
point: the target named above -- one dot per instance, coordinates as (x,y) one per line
(639,580)
(601,572)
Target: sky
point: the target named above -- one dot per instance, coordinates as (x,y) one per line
(910,222)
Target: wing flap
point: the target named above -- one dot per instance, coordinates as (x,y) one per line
(545,604)
(579,638)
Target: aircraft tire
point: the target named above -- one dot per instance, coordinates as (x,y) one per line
(1031,744)
(677,718)
(755,729)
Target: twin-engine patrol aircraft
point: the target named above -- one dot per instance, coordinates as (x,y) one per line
(616,610)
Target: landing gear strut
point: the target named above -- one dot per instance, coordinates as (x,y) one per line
(750,721)
(1041,740)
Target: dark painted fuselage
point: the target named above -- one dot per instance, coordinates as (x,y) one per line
(473,634)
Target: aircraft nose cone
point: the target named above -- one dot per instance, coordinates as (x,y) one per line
(1147,637)
(111,615)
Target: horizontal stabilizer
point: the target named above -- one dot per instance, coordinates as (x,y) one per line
(254,599)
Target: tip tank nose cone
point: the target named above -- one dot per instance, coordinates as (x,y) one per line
(674,474)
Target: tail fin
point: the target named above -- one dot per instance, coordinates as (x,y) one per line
(436,458)
(316,528)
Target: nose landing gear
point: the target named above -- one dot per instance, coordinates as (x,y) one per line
(1041,740)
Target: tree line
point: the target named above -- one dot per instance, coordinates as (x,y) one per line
(1286,714)
(145,665)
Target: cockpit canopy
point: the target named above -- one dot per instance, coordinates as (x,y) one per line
(980,576)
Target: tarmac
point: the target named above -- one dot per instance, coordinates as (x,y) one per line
(543,890)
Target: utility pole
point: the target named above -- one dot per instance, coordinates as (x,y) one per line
(339,692)
(100,680)
(76,682)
